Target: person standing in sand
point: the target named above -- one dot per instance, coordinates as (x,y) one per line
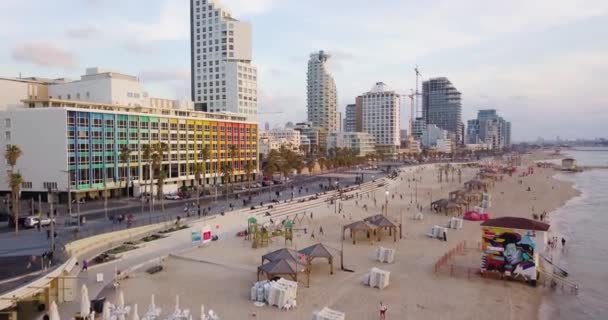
(383,309)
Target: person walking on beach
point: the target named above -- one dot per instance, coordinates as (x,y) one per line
(383,309)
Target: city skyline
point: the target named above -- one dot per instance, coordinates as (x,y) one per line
(527,61)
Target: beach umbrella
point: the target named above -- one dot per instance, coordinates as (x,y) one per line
(53,312)
(106,310)
(120,301)
(135,315)
(85,303)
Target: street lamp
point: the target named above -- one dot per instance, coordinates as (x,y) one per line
(68,172)
(386,203)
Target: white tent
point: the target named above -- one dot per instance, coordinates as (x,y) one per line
(135,315)
(85,303)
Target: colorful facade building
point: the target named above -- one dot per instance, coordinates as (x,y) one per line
(85,139)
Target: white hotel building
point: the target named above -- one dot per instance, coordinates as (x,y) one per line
(223,77)
(381,117)
(81,127)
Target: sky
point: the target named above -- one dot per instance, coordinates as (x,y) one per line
(541,63)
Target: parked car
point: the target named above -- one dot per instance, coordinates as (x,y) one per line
(30,222)
(172,197)
(183,195)
(44,221)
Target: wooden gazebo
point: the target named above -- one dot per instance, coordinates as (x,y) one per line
(439,205)
(317,251)
(475,184)
(282,254)
(280,267)
(383,223)
(357,227)
(452,207)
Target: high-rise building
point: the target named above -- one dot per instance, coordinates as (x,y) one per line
(381,117)
(223,76)
(353,120)
(322,94)
(361,142)
(489,128)
(441,106)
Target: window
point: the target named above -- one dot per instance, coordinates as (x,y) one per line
(7,122)
(7,136)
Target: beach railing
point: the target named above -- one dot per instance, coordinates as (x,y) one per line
(460,248)
(554,280)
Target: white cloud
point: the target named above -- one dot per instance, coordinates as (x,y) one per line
(172,24)
(240,8)
(43,54)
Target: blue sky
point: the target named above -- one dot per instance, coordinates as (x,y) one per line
(542,63)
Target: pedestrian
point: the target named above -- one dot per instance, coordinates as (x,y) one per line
(48,234)
(321,230)
(312,235)
(199,212)
(563,242)
(383,309)
(85,265)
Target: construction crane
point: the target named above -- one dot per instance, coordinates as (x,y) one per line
(271,112)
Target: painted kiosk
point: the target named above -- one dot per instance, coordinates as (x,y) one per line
(511,247)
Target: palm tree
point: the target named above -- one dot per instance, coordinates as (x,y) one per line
(15,181)
(147,156)
(158,154)
(322,162)
(233,151)
(226,170)
(11,155)
(125,153)
(248,170)
(310,164)
(205,154)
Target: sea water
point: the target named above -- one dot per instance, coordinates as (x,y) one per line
(583,222)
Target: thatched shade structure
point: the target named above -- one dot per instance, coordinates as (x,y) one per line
(357,227)
(456,194)
(277,268)
(453,206)
(439,205)
(282,254)
(475,184)
(317,251)
(383,223)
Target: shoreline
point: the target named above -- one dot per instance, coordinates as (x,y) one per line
(412,270)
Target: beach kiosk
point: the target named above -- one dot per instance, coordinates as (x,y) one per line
(511,246)
(569,164)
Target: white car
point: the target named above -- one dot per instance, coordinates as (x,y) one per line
(44,221)
(172,197)
(30,222)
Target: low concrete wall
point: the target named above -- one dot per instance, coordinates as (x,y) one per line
(82,247)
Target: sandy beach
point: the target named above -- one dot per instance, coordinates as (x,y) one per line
(221,274)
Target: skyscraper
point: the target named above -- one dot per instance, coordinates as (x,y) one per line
(381,117)
(223,77)
(322,95)
(353,120)
(489,128)
(441,106)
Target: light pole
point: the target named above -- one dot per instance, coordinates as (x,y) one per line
(386,203)
(51,200)
(70,196)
